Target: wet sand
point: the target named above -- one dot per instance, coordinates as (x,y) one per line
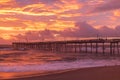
(95,73)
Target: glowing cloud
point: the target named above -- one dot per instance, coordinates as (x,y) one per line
(19,18)
(117,13)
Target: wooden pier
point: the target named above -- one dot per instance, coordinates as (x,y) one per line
(110,46)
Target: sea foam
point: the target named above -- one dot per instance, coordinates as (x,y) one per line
(52,66)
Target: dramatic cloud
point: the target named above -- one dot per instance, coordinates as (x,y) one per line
(81,30)
(107,32)
(108,5)
(44,35)
(84,29)
(32,20)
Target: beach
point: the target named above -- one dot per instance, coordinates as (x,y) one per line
(93,73)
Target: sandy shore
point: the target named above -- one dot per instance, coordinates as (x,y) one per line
(96,73)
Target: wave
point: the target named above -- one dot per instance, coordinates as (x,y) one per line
(53,66)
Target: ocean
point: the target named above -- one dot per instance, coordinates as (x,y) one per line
(15,61)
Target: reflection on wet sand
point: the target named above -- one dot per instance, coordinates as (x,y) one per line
(11,75)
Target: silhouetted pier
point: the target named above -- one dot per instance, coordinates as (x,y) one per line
(109,46)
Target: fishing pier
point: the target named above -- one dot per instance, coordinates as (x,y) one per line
(97,46)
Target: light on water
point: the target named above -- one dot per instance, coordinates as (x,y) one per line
(15,64)
(25,61)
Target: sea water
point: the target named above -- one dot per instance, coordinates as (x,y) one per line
(35,60)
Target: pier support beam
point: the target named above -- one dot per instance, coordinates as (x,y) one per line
(103,48)
(96,47)
(86,49)
(111,48)
(118,48)
(91,46)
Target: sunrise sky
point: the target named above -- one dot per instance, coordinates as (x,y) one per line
(57,19)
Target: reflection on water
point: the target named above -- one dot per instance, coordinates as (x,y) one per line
(37,57)
(4,75)
(26,57)
(13,63)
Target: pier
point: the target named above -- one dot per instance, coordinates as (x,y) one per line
(97,46)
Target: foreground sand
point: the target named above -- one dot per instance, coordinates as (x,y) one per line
(97,73)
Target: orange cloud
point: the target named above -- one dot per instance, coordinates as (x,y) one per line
(40,15)
(68,5)
(35,26)
(12,18)
(7,4)
(8,19)
(61,25)
(40,9)
(5,1)
(70,15)
(9,22)
(7,33)
(117,13)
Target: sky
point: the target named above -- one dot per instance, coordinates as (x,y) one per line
(44,20)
